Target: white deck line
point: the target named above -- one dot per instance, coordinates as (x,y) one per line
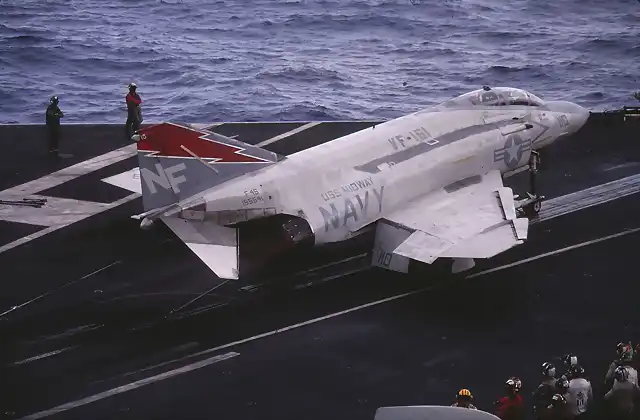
(53,228)
(68,174)
(287,134)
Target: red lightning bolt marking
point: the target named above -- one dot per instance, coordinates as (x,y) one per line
(166,139)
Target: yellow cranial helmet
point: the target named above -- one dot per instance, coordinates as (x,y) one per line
(465,393)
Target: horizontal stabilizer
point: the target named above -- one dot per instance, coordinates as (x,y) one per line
(216,246)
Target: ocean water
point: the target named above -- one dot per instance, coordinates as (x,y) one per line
(258,60)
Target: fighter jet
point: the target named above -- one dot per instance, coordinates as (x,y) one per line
(429,183)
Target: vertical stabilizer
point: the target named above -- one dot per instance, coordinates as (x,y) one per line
(177,162)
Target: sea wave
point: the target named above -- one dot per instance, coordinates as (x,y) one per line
(307,60)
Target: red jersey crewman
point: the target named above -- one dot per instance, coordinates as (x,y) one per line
(134,114)
(511,406)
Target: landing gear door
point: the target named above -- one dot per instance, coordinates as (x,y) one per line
(387,239)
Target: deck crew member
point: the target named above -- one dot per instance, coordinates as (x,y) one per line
(134,113)
(569,361)
(562,388)
(625,358)
(464,399)
(511,406)
(623,396)
(543,394)
(53,116)
(580,393)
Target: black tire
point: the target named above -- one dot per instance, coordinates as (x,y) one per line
(530,210)
(537,206)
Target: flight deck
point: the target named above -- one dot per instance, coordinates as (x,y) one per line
(105,320)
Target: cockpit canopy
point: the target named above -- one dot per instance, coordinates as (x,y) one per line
(498,96)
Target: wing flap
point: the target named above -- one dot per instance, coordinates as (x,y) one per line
(486,245)
(521,226)
(456,212)
(423,247)
(216,246)
(475,220)
(508,203)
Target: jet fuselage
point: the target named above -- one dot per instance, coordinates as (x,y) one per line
(346,184)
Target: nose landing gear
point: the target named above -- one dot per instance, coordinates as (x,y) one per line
(532,204)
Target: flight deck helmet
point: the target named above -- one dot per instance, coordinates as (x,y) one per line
(54,100)
(569,360)
(548,370)
(132,87)
(576,371)
(621,374)
(464,396)
(625,351)
(513,385)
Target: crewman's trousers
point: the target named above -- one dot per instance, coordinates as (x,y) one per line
(132,125)
(54,138)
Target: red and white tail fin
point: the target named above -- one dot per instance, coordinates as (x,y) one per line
(177,162)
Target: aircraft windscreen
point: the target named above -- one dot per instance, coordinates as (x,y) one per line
(517,97)
(534,100)
(496,97)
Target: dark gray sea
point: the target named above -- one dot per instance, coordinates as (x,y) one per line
(257,60)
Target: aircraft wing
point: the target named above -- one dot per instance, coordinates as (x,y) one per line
(473,218)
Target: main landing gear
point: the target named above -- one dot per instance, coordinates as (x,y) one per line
(531,205)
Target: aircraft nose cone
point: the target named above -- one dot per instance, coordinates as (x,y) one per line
(576,114)
(579,117)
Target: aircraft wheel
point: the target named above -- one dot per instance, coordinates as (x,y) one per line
(533,209)
(537,206)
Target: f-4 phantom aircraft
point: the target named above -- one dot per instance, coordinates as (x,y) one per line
(430,183)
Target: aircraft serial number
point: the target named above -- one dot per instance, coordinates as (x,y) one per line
(413,137)
(252,200)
